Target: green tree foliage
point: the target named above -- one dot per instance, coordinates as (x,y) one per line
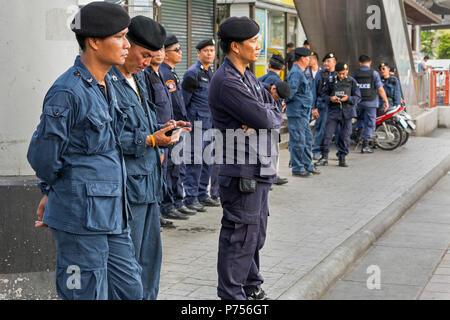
(443,50)
(428,38)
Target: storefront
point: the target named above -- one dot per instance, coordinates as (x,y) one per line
(190,20)
(279,24)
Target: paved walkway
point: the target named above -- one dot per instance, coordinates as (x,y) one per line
(309,219)
(438,288)
(407,255)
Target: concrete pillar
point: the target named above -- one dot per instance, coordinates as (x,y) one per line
(37,46)
(417,40)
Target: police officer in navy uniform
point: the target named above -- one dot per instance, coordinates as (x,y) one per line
(237,101)
(195,86)
(320,111)
(271,79)
(298,111)
(370,84)
(175,192)
(391,85)
(141,139)
(276,65)
(77,153)
(161,97)
(343,95)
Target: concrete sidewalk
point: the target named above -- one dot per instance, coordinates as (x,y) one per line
(411,257)
(310,220)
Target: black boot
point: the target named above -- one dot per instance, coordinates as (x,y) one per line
(323,161)
(366,148)
(342,162)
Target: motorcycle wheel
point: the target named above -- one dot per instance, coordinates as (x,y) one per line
(405,137)
(392,134)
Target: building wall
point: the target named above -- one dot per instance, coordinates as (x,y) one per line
(37,46)
(263,15)
(176,16)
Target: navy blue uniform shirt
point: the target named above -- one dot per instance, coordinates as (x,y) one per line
(196,98)
(173,84)
(76,151)
(392,87)
(145,176)
(159,95)
(239,99)
(301,94)
(270,78)
(349,107)
(378,84)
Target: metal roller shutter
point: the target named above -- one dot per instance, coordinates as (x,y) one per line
(202,23)
(174,18)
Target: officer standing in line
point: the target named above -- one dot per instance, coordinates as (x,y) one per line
(141,139)
(298,111)
(313,75)
(290,56)
(320,112)
(160,96)
(195,92)
(175,192)
(271,79)
(238,101)
(391,85)
(312,72)
(370,84)
(276,65)
(343,96)
(77,153)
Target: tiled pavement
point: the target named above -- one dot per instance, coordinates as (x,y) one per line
(309,219)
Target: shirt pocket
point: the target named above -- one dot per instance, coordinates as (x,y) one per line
(161,98)
(138,189)
(104,206)
(99,133)
(54,121)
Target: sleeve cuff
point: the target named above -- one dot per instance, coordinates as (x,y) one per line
(45,188)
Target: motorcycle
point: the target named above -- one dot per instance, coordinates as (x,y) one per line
(393,129)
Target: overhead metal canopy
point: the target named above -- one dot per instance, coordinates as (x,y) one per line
(418,14)
(346,28)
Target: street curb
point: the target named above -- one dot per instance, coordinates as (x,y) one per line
(319,280)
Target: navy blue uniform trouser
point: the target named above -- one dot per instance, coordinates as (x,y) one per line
(196,176)
(367,118)
(146,236)
(174,175)
(300,142)
(239,240)
(97,267)
(344,127)
(319,130)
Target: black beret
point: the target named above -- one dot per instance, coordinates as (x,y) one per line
(314,53)
(238,29)
(147,33)
(100,20)
(329,56)
(283,90)
(205,43)
(171,40)
(277,61)
(341,66)
(302,52)
(383,64)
